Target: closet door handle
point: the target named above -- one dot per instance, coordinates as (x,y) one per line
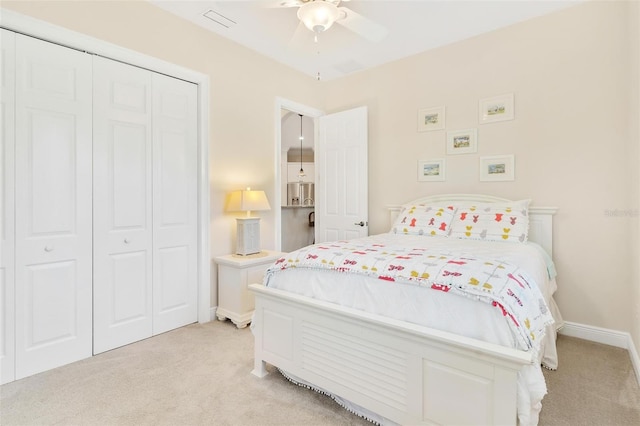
(127,241)
(48,248)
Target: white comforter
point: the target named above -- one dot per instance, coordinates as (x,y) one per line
(436,309)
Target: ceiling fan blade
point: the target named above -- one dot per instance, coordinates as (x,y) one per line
(289,3)
(296,3)
(301,37)
(278,4)
(362,26)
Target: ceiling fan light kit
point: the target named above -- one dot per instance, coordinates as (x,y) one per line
(318,16)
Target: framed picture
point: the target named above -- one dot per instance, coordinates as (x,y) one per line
(430,119)
(498,108)
(431,170)
(462,141)
(497,168)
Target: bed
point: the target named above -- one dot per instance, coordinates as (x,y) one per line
(405,345)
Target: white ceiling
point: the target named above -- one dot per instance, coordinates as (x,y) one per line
(413,26)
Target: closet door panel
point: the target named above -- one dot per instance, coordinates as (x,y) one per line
(48,322)
(7,206)
(51,173)
(53,206)
(175,203)
(172,291)
(122,204)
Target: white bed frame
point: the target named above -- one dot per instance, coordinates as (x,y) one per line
(406,373)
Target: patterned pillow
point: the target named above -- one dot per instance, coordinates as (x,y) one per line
(421,219)
(507,221)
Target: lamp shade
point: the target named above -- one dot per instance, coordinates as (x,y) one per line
(318,16)
(247,200)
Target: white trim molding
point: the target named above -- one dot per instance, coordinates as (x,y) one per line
(635,359)
(619,339)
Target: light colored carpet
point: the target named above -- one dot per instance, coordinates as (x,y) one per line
(200,375)
(595,384)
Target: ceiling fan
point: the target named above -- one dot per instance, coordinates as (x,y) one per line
(319,15)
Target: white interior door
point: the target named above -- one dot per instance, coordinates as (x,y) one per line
(53,205)
(7,229)
(342,186)
(122,250)
(175,215)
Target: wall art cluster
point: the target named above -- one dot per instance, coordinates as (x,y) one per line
(493,168)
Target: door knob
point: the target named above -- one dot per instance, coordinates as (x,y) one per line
(48,248)
(361,223)
(127,241)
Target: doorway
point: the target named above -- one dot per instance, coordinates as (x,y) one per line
(289,112)
(341,162)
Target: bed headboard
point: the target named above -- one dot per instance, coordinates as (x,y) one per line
(540,218)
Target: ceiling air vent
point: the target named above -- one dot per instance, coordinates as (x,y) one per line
(219,19)
(349,67)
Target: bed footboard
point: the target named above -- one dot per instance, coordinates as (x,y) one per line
(404,372)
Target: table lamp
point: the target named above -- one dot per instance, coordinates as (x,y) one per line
(248,231)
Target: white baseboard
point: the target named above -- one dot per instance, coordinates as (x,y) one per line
(606,336)
(635,360)
(212,314)
(619,339)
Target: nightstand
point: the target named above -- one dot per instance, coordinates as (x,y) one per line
(235,273)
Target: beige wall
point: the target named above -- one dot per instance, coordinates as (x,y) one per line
(569,72)
(574,138)
(244,86)
(634,159)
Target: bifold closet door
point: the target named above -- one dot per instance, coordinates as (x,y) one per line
(122,274)
(175,153)
(145,205)
(53,176)
(7,217)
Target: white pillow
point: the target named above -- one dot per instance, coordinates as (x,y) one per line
(422,219)
(508,221)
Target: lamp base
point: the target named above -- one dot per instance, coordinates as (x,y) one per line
(248,236)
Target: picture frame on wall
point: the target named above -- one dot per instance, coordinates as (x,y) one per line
(497,168)
(462,141)
(431,170)
(431,119)
(497,108)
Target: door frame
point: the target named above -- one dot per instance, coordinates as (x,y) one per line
(280,104)
(48,32)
